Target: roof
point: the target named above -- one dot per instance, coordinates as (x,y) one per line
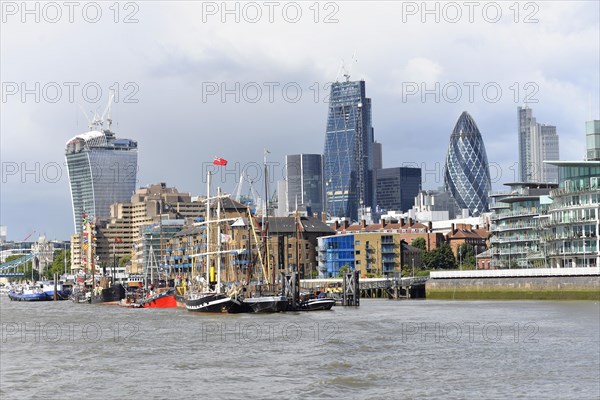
(288,225)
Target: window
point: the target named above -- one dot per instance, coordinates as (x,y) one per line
(357,243)
(357,252)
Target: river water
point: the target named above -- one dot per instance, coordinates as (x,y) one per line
(382,349)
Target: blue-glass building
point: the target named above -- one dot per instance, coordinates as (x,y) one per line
(336,252)
(348,155)
(102,171)
(467,173)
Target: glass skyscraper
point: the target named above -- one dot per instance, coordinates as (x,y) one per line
(348,155)
(467,173)
(304,182)
(537,143)
(396,188)
(102,171)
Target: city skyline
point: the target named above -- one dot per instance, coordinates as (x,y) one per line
(183,116)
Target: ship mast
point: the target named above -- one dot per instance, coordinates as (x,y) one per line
(218,240)
(208,229)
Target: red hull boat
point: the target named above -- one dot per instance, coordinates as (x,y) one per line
(166,299)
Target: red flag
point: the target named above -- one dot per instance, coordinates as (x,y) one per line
(220,161)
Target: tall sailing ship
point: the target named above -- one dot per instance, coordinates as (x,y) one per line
(208,295)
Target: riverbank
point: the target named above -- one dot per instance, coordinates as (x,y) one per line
(507,285)
(511,294)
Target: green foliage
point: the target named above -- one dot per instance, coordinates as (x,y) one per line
(123,261)
(466,253)
(343,270)
(25,268)
(58,264)
(440,258)
(419,243)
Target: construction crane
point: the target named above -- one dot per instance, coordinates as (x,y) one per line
(28,235)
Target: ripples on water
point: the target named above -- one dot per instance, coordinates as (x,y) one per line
(383,349)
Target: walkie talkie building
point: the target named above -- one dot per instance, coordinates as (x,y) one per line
(467,173)
(102,171)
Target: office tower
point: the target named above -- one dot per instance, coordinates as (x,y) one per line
(396,188)
(592,136)
(304,182)
(467,173)
(537,143)
(102,171)
(348,155)
(377,156)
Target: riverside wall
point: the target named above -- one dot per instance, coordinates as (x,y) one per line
(515,288)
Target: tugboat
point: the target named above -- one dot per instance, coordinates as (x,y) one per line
(166,299)
(106,292)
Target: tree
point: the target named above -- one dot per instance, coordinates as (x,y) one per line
(343,270)
(419,243)
(440,258)
(123,261)
(466,254)
(58,265)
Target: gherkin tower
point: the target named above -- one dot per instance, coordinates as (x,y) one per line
(467,173)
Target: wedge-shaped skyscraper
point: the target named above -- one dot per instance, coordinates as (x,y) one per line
(102,171)
(348,155)
(467,173)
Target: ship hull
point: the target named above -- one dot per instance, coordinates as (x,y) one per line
(317,304)
(166,299)
(266,304)
(28,296)
(209,303)
(112,294)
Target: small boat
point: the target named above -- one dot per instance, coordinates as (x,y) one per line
(63,290)
(105,293)
(211,302)
(325,303)
(167,299)
(28,293)
(321,302)
(266,303)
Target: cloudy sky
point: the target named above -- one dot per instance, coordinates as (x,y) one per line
(198,80)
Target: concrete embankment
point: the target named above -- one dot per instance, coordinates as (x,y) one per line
(536,286)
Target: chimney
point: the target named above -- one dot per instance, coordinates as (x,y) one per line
(383,223)
(336,225)
(477,227)
(363,224)
(430,226)
(401,221)
(410,222)
(453,231)
(345,224)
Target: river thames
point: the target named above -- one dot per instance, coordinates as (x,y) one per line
(382,349)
